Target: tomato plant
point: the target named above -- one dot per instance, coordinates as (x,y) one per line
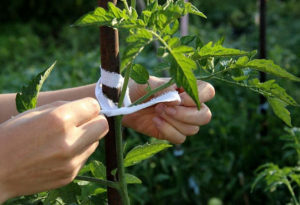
(186,58)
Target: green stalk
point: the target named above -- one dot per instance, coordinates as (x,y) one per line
(120,162)
(126,6)
(152,92)
(125,84)
(119,144)
(292,192)
(133,3)
(102,182)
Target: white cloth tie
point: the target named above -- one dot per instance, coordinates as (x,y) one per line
(115,80)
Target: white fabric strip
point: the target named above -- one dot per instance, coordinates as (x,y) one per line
(114,80)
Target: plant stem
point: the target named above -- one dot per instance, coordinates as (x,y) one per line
(125,84)
(120,162)
(253,88)
(133,3)
(126,6)
(292,192)
(102,182)
(119,144)
(214,74)
(152,92)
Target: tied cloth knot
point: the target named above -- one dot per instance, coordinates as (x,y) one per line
(115,80)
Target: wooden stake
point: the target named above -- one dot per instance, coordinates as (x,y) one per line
(263,55)
(109,44)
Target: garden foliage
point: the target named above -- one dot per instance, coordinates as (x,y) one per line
(187,59)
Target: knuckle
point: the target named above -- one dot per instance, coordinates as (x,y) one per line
(93,104)
(64,151)
(56,119)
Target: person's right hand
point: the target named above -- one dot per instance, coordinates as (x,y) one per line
(45,148)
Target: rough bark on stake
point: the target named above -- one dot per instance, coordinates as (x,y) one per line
(109,44)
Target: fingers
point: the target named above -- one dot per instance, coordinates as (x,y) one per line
(78,112)
(91,132)
(189,115)
(183,128)
(205,91)
(168,132)
(82,158)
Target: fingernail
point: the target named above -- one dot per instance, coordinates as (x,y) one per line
(170,111)
(157,121)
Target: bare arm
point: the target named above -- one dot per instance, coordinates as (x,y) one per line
(8,106)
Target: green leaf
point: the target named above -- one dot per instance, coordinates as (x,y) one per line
(131,179)
(174,42)
(217,50)
(90,189)
(183,49)
(139,35)
(139,74)
(85,169)
(138,41)
(194,10)
(113,17)
(143,152)
(279,108)
(66,194)
(240,78)
(268,66)
(97,17)
(186,40)
(117,13)
(272,89)
(27,98)
(98,169)
(182,73)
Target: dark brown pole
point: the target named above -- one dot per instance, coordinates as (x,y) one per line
(263,55)
(109,45)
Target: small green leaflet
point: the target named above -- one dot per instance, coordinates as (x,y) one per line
(143,152)
(66,194)
(272,89)
(27,98)
(90,189)
(182,72)
(217,50)
(131,179)
(279,108)
(267,66)
(139,74)
(194,10)
(97,169)
(137,42)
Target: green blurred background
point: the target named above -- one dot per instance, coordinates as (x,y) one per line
(217,165)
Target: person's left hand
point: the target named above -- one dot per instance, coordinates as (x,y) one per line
(170,121)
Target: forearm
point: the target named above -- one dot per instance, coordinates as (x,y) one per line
(8,106)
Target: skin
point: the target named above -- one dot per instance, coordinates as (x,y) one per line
(65,129)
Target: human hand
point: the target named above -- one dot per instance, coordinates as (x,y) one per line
(170,121)
(45,148)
